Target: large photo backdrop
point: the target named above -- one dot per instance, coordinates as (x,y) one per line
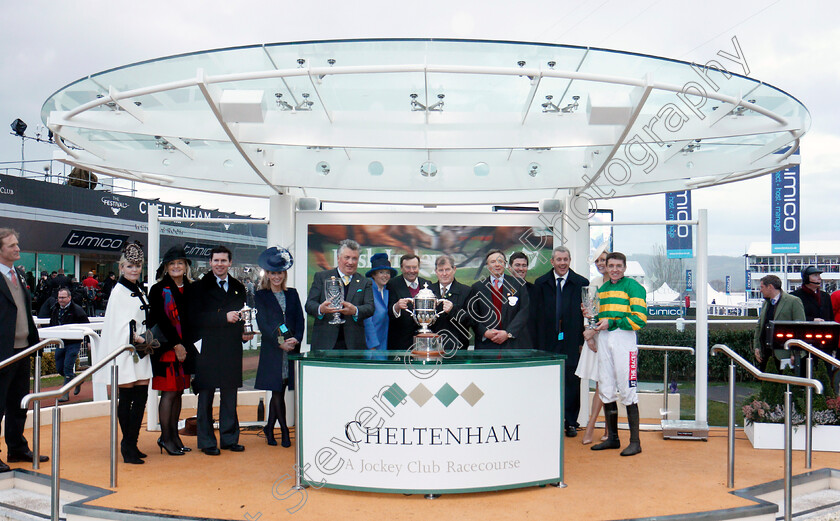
(467,237)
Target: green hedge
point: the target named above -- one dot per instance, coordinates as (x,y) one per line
(47,364)
(681,365)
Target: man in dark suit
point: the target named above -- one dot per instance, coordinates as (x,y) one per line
(401,291)
(17,332)
(498,307)
(519,269)
(558,324)
(355,308)
(778,305)
(453,325)
(216,301)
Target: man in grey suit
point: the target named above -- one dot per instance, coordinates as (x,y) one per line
(17,332)
(778,305)
(356,307)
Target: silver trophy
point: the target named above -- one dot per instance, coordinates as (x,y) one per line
(426,342)
(248,315)
(334,293)
(424,313)
(592,303)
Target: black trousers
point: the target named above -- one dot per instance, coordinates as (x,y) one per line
(14,385)
(228,420)
(571,391)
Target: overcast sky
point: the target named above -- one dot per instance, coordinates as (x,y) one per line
(791,45)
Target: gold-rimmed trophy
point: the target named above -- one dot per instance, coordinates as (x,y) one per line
(426,343)
(592,303)
(334,293)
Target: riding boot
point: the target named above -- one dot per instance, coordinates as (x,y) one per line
(129,437)
(138,409)
(635,446)
(611,416)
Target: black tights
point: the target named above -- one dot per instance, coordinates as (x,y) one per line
(169,411)
(277,409)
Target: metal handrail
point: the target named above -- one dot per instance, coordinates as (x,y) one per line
(809,368)
(56,420)
(665,349)
(767,377)
(36,412)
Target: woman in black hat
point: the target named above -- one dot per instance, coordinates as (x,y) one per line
(280,319)
(174,361)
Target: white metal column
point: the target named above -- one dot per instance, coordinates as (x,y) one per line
(281,232)
(153,256)
(701,377)
(576,238)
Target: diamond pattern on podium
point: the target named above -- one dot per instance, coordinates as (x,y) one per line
(421,394)
(446,394)
(395,395)
(472,394)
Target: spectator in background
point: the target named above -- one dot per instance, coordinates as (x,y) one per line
(42,290)
(59,280)
(108,285)
(778,305)
(817,303)
(65,311)
(835,305)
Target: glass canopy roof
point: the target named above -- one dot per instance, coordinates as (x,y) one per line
(431,122)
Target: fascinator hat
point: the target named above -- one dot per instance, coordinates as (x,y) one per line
(275,259)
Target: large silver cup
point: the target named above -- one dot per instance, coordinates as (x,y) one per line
(591,302)
(424,313)
(334,293)
(248,315)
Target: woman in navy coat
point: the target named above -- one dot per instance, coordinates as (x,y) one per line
(281,322)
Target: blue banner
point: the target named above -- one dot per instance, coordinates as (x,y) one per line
(784,214)
(728,285)
(678,238)
(749,281)
(689,281)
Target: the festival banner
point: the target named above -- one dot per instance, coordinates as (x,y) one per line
(728,285)
(689,281)
(678,238)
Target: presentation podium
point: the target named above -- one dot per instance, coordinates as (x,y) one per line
(385,421)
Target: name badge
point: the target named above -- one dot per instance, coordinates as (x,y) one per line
(283,329)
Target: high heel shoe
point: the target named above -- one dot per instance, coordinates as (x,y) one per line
(269,436)
(284,437)
(163,447)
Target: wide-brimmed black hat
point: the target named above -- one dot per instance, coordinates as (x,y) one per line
(378,262)
(276,259)
(173,253)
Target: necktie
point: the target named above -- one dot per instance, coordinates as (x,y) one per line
(346,279)
(497,301)
(222,285)
(13,278)
(413,289)
(559,303)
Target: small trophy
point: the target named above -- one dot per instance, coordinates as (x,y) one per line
(591,302)
(424,314)
(334,292)
(247,315)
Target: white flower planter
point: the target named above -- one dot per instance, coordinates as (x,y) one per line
(826,438)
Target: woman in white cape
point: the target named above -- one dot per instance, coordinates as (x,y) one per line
(127,305)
